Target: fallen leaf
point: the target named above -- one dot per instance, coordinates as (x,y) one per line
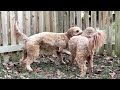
(37,70)
(10,64)
(98,71)
(112,75)
(102,66)
(22,77)
(108,58)
(60,74)
(74,68)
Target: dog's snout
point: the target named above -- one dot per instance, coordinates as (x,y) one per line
(80,33)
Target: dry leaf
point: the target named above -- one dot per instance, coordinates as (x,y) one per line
(98,71)
(37,70)
(112,75)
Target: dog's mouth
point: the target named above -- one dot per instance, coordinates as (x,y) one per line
(80,33)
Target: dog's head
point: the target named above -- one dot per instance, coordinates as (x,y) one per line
(88,31)
(74,31)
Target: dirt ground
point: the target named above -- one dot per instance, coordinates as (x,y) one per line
(104,68)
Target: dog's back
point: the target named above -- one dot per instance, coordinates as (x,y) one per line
(78,44)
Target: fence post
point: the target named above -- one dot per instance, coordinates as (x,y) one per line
(72,18)
(53,24)
(28,21)
(34,22)
(87,18)
(41,21)
(60,21)
(20,23)
(109,35)
(79,19)
(4,34)
(93,19)
(117,33)
(0,31)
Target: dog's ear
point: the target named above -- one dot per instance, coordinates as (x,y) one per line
(70,32)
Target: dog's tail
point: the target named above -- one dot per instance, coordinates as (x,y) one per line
(18,33)
(97,40)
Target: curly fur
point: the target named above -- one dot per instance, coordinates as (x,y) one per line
(82,50)
(48,42)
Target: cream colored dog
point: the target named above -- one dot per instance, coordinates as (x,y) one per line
(45,41)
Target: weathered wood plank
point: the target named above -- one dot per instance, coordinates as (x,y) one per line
(28,21)
(60,21)
(109,35)
(100,51)
(12,23)
(68,20)
(53,21)
(87,18)
(34,22)
(93,19)
(79,19)
(57,21)
(20,23)
(1,41)
(4,27)
(117,33)
(100,20)
(47,21)
(4,34)
(41,21)
(65,18)
(11,48)
(72,18)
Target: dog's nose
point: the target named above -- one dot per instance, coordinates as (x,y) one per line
(80,33)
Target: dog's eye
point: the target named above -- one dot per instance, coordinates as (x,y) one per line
(77,31)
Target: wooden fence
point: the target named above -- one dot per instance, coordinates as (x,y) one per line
(31,22)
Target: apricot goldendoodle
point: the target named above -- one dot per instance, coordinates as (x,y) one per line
(82,49)
(47,42)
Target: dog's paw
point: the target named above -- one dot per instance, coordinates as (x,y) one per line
(29,68)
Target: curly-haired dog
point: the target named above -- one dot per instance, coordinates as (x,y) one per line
(46,41)
(82,50)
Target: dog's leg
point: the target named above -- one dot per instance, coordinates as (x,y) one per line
(66,52)
(32,55)
(60,55)
(71,59)
(83,68)
(81,62)
(90,65)
(27,62)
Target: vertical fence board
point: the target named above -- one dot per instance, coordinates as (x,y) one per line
(53,21)
(47,21)
(60,21)
(4,34)
(1,41)
(87,18)
(64,21)
(117,33)
(79,19)
(72,18)
(28,20)
(34,22)
(12,23)
(101,28)
(93,19)
(109,35)
(41,21)
(20,23)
